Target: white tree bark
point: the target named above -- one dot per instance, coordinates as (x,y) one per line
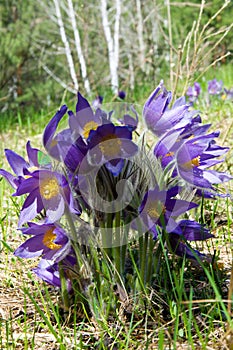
(131,71)
(66,44)
(140,35)
(112,42)
(77,40)
(117,31)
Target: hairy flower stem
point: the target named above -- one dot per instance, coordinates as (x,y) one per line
(124,247)
(157,258)
(159,252)
(117,249)
(97,268)
(164,239)
(150,260)
(143,245)
(73,237)
(64,291)
(82,264)
(106,234)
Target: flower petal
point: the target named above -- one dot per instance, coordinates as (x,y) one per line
(52,127)
(16,162)
(31,248)
(10,178)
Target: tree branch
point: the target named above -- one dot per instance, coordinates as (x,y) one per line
(66,44)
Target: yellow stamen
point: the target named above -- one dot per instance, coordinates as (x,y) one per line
(223,97)
(31,169)
(169,154)
(154,210)
(196,161)
(48,239)
(53,143)
(110,145)
(49,188)
(192,163)
(88,127)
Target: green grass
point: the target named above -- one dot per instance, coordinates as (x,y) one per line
(187,307)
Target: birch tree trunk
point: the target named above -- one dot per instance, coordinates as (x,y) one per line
(117,31)
(131,71)
(112,42)
(77,40)
(66,44)
(140,35)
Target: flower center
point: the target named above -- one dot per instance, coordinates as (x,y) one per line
(49,188)
(110,145)
(88,127)
(192,163)
(53,143)
(169,154)
(154,210)
(223,97)
(48,239)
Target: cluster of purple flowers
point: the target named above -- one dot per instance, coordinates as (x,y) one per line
(94,144)
(214,87)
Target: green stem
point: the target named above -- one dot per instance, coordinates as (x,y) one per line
(109,238)
(157,258)
(64,291)
(82,265)
(124,247)
(164,239)
(140,239)
(150,260)
(96,269)
(141,244)
(144,258)
(106,235)
(74,238)
(73,234)
(117,249)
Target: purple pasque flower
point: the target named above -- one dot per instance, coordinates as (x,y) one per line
(195,156)
(168,147)
(51,143)
(47,190)
(49,240)
(74,154)
(190,231)
(129,121)
(110,145)
(68,141)
(215,87)
(84,120)
(18,164)
(122,94)
(228,94)
(160,208)
(193,231)
(193,92)
(156,105)
(50,272)
(158,117)
(63,146)
(97,102)
(71,145)
(169,143)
